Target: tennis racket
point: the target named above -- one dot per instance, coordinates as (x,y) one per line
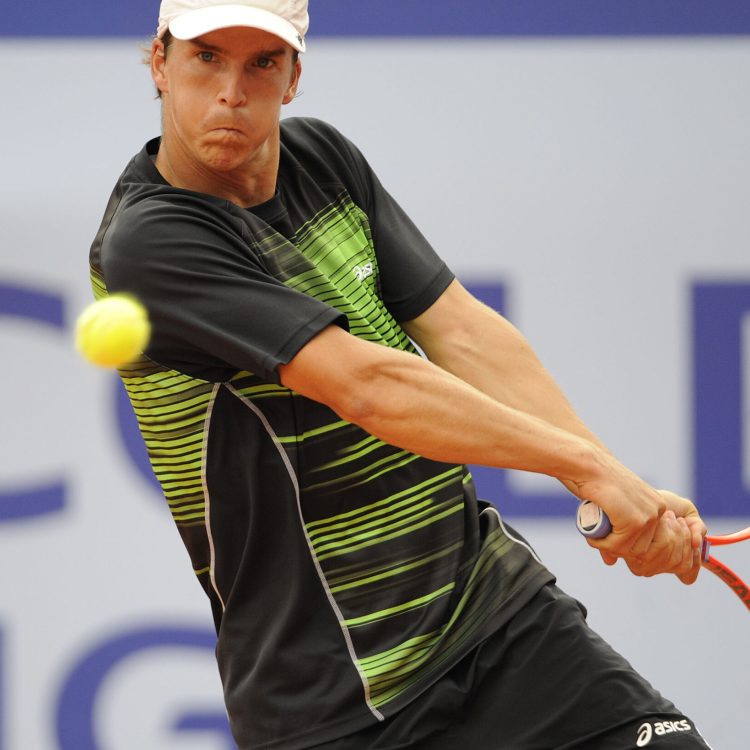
(593,522)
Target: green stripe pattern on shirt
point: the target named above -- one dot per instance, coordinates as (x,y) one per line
(386,527)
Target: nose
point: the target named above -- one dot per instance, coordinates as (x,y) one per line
(232,92)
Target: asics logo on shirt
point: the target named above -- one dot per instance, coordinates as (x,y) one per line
(647,731)
(362,272)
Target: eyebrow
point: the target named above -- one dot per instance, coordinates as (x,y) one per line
(199,42)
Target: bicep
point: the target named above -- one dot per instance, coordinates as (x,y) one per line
(362,381)
(329,368)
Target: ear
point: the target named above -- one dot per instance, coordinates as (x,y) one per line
(291,92)
(158,61)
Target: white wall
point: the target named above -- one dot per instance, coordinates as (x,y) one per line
(595,178)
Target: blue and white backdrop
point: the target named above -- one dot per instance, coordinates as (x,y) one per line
(583,165)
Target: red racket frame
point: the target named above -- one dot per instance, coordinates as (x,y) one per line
(724,571)
(598,526)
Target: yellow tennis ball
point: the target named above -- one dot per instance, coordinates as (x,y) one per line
(113,330)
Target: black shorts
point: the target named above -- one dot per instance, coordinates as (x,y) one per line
(545,681)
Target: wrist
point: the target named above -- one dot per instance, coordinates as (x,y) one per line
(586,463)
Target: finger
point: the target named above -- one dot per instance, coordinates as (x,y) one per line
(692,575)
(688,567)
(683,549)
(670,550)
(698,531)
(682,557)
(608,558)
(644,540)
(626,544)
(663,554)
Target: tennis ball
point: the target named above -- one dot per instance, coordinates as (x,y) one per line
(113,330)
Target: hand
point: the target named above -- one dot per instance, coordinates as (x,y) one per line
(633,507)
(684,509)
(676,546)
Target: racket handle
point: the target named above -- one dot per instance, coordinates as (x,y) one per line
(594,523)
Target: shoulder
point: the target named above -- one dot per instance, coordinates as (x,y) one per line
(308,134)
(326,154)
(311,129)
(146,210)
(145,197)
(168,217)
(156,229)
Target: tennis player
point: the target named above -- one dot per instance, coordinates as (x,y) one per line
(315,463)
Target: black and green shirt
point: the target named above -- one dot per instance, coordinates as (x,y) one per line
(345,574)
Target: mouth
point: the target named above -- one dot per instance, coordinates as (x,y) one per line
(227,130)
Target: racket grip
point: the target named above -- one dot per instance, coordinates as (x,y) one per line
(594,523)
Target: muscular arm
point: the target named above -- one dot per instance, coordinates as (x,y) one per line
(477,345)
(412,403)
(485,398)
(468,339)
(419,406)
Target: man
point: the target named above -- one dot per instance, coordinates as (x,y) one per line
(314,463)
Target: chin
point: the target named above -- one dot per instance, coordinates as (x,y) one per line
(224,159)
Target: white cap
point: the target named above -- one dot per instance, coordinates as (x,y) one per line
(188,19)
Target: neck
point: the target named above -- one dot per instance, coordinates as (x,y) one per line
(246,183)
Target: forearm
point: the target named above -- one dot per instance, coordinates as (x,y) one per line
(416,405)
(480,347)
(425,409)
(438,415)
(483,349)
(515,376)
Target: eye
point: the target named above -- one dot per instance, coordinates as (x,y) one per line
(206,56)
(264,62)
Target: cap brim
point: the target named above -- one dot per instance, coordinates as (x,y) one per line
(195,23)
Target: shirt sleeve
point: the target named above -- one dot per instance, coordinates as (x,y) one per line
(412,274)
(214,308)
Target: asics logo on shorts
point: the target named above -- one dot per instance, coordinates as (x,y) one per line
(647,731)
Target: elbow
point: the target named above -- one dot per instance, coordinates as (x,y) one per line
(377,391)
(356,379)
(356,401)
